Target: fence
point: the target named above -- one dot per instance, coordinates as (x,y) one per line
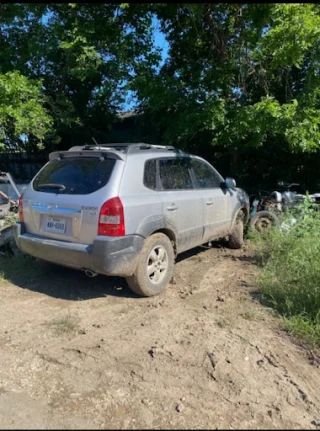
(22,166)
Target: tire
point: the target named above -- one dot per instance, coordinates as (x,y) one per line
(236,237)
(157,257)
(263,220)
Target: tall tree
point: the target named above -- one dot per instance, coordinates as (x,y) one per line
(83,53)
(238,74)
(22,113)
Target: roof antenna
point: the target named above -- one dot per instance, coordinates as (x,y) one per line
(95,142)
(101,158)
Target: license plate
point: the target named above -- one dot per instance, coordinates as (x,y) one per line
(56,224)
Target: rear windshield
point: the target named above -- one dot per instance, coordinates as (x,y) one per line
(74,176)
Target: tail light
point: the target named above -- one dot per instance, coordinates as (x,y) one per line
(20,209)
(111,218)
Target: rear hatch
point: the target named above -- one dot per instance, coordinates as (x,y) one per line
(64,199)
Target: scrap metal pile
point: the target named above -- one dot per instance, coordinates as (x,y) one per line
(8,210)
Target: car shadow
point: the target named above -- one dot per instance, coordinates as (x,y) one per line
(258,297)
(198,250)
(254,260)
(61,282)
(190,253)
(70,284)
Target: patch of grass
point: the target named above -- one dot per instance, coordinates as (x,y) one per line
(290,278)
(222,323)
(63,325)
(305,328)
(18,266)
(252,315)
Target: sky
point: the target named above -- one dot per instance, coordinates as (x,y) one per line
(160,42)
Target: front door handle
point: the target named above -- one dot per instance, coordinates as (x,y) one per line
(172,207)
(210,202)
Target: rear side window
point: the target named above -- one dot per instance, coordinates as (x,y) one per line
(175,174)
(149,175)
(74,176)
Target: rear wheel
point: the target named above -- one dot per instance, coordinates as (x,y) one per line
(155,266)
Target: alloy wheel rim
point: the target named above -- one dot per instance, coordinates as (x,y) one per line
(157,265)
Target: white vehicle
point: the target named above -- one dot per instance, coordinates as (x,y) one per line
(127,210)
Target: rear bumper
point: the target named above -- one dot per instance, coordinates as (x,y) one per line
(110,256)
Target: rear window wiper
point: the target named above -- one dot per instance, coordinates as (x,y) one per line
(61,187)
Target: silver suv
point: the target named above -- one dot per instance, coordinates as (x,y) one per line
(127,210)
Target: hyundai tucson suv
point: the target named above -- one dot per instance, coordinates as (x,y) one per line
(127,210)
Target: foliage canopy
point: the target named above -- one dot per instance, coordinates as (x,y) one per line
(236,76)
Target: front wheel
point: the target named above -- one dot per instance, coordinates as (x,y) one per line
(236,236)
(155,266)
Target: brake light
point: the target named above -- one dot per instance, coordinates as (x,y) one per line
(20,207)
(111,218)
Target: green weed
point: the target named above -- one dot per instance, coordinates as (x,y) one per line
(63,325)
(290,278)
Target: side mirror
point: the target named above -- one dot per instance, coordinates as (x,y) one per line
(230,183)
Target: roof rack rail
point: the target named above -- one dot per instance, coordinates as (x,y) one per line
(143,146)
(90,146)
(130,147)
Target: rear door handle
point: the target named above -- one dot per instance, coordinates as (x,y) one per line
(210,202)
(172,207)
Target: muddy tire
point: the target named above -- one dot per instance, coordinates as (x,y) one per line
(236,237)
(155,266)
(263,220)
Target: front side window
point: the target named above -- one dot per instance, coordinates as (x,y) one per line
(175,174)
(74,176)
(206,176)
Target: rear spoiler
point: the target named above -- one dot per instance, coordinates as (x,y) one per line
(86,153)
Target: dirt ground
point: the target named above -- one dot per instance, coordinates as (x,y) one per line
(80,353)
